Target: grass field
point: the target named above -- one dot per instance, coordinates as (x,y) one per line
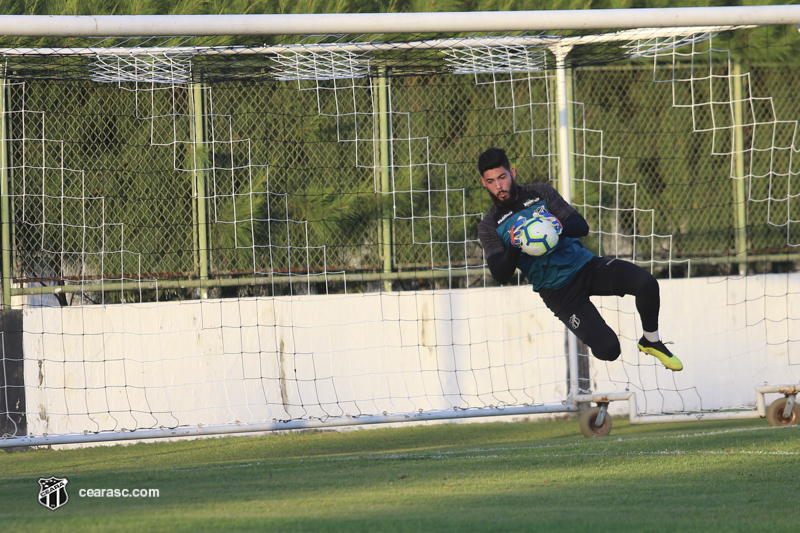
(520,476)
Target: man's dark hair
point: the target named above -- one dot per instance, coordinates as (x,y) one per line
(493,158)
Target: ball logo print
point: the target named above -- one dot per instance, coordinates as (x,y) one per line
(53,492)
(538,237)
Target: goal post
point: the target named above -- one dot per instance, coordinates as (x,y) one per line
(202,235)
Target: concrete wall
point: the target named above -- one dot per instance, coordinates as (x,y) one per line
(112,368)
(732,334)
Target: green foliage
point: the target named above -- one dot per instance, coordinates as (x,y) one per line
(293,168)
(292,180)
(109,198)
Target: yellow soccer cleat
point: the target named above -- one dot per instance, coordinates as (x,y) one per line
(660,352)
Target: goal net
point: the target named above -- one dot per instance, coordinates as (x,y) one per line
(206,235)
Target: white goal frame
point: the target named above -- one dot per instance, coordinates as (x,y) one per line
(370,23)
(694,19)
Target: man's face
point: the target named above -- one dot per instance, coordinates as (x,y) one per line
(500,184)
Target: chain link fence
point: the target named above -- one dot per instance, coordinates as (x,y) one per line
(96,185)
(253,176)
(678,159)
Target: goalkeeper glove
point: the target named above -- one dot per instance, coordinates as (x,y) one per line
(553,221)
(516,232)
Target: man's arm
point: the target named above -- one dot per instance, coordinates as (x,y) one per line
(501,260)
(503,265)
(575,226)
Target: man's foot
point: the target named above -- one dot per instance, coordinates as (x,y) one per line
(660,352)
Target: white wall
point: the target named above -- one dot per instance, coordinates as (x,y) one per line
(732,334)
(211,362)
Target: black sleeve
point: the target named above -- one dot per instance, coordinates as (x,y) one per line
(502,266)
(501,259)
(575,226)
(556,205)
(573,223)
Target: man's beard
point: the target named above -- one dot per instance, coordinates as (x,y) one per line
(512,197)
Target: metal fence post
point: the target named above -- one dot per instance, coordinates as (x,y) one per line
(739,186)
(5,201)
(201,196)
(384,157)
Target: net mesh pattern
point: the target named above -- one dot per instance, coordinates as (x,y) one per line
(227,233)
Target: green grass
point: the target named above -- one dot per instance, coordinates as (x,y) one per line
(523,476)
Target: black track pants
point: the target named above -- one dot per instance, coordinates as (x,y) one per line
(603,277)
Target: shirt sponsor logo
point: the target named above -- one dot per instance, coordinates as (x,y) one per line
(502,218)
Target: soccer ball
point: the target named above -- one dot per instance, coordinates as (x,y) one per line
(538,237)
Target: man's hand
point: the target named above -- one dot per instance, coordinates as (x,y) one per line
(515,232)
(552,220)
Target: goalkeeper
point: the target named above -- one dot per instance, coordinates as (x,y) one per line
(570,274)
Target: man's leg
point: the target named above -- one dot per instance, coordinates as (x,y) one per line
(618,277)
(615,277)
(585,322)
(572,306)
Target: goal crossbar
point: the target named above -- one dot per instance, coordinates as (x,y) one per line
(371,23)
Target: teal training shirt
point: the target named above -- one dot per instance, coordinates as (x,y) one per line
(552,271)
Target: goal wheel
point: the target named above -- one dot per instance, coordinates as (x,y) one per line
(776,416)
(588,420)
